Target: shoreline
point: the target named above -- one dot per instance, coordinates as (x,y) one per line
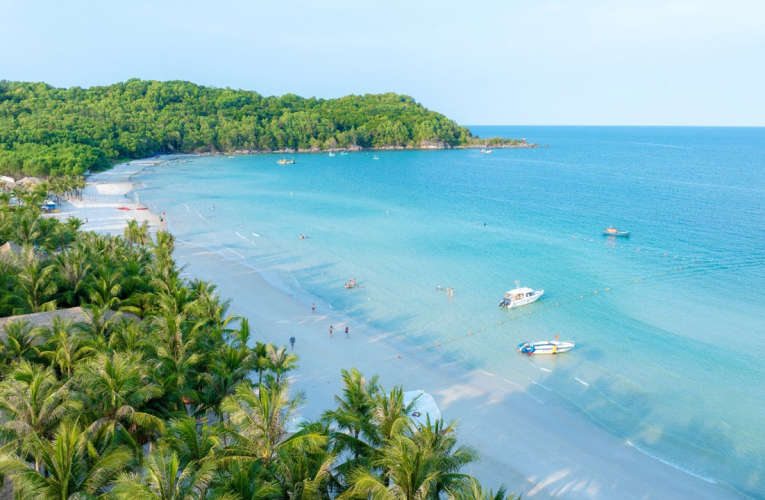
(570,457)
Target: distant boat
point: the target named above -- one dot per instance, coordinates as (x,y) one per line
(612,231)
(520,297)
(343,153)
(331,153)
(545,347)
(486,151)
(285,161)
(375,157)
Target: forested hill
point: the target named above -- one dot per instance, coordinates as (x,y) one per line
(51,131)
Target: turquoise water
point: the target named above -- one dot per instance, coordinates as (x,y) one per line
(672,362)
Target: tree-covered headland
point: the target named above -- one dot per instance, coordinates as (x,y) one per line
(46,130)
(172,398)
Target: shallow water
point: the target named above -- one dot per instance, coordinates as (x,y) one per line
(669,351)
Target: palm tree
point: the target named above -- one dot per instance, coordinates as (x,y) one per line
(127,336)
(258,419)
(246,482)
(260,360)
(472,490)
(32,403)
(72,269)
(117,388)
(175,370)
(408,472)
(104,289)
(164,478)
(192,442)
(355,409)
(20,341)
(27,227)
(71,467)
(229,368)
(391,415)
(63,346)
(34,289)
(440,439)
(305,473)
(280,360)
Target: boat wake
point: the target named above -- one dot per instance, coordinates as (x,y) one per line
(581,381)
(237,233)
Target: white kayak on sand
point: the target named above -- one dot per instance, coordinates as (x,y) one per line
(545,347)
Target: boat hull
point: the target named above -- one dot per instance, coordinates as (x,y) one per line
(625,234)
(545,347)
(524,301)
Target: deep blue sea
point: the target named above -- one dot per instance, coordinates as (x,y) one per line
(670,352)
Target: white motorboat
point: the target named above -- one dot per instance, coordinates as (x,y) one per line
(545,347)
(520,297)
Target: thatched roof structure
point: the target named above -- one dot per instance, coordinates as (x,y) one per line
(6,492)
(42,319)
(29,181)
(13,250)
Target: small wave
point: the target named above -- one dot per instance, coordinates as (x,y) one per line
(581,381)
(517,385)
(237,233)
(187,208)
(487,373)
(235,252)
(542,386)
(671,464)
(545,370)
(256,234)
(201,215)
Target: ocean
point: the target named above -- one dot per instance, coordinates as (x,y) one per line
(669,323)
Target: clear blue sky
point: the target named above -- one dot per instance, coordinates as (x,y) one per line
(588,62)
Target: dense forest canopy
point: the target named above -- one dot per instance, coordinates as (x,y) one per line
(56,131)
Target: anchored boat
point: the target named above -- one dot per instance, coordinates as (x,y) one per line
(520,297)
(545,347)
(612,231)
(285,161)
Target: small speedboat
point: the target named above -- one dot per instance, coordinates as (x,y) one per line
(343,153)
(285,161)
(612,231)
(375,157)
(520,297)
(331,153)
(545,347)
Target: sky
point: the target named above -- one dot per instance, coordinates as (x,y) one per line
(492,62)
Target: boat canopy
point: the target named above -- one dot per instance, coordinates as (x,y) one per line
(523,290)
(425,406)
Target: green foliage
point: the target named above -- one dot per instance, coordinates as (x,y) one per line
(54,131)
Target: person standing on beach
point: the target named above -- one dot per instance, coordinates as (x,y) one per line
(330,331)
(313,308)
(292,343)
(346,332)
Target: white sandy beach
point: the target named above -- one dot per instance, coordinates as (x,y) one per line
(531,448)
